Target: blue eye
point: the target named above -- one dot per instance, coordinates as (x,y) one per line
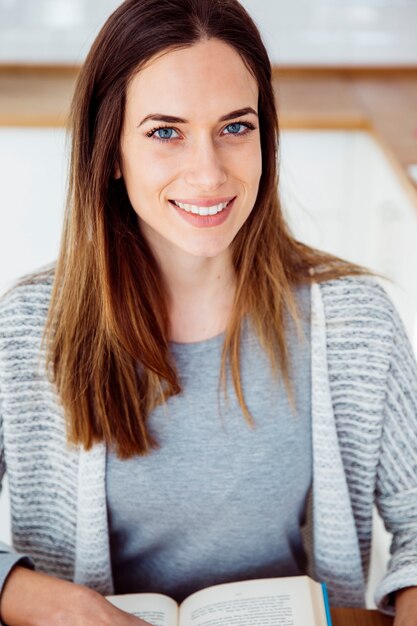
(163,133)
(239,128)
(234,128)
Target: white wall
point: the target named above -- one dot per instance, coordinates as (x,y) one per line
(328,32)
(32,189)
(342,195)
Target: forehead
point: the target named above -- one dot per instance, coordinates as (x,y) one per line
(206,79)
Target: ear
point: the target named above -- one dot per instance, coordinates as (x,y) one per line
(117,172)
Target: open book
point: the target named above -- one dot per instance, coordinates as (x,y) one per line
(292,601)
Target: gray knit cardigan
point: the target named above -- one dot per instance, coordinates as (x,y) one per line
(364,425)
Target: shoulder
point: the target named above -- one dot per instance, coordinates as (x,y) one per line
(358,312)
(357,298)
(361,328)
(24,306)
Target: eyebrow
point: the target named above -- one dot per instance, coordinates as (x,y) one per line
(170,119)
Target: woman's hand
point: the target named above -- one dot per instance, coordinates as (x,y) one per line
(406,607)
(36,599)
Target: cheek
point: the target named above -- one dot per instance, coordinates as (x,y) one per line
(146,176)
(247,164)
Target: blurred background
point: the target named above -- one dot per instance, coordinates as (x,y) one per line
(345,75)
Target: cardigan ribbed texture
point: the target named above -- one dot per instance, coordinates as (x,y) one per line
(364,433)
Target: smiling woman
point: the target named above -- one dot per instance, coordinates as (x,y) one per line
(204,376)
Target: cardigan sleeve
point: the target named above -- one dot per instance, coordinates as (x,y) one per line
(396,480)
(8,557)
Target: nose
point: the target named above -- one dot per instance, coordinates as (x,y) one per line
(205,170)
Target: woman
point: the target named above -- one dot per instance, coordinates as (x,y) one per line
(193,404)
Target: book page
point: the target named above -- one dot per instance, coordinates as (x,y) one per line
(267,602)
(155,608)
(317,601)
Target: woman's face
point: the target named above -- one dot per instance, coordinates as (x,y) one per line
(190,148)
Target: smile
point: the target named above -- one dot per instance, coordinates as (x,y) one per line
(198,209)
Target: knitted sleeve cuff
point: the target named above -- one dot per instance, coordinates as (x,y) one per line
(392,582)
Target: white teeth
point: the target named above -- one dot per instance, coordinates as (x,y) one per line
(201,210)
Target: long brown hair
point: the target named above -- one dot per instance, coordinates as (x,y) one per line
(107,333)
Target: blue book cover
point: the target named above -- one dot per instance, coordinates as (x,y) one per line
(326,604)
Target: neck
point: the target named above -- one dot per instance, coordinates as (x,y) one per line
(200,293)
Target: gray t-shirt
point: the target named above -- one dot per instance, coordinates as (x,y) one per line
(219,500)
